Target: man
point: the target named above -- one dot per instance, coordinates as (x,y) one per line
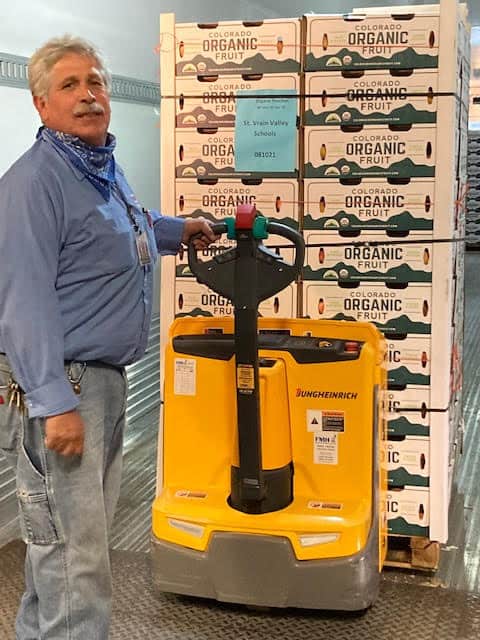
(76,274)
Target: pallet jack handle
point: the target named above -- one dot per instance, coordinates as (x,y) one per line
(247,274)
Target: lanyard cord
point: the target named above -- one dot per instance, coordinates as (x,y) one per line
(129,208)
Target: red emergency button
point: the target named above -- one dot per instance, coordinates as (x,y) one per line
(351,347)
(245,216)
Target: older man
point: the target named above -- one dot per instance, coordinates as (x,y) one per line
(78,254)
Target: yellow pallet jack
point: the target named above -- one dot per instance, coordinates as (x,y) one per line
(273,491)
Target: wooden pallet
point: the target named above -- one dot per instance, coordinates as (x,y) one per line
(407,552)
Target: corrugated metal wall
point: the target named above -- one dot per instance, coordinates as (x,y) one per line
(143,399)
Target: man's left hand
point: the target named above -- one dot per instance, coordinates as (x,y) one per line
(201,226)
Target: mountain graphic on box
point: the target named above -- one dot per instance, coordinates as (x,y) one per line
(343,168)
(344,115)
(402,324)
(255,64)
(288,222)
(400,525)
(341,220)
(401,477)
(402,427)
(199,118)
(346,59)
(203,169)
(348,273)
(403,375)
(194,313)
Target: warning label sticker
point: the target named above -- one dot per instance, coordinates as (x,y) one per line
(185,377)
(325,421)
(325,448)
(245,378)
(313,504)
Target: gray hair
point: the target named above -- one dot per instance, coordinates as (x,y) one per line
(43,60)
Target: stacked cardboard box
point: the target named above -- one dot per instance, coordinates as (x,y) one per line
(385,125)
(379,195)
(213,62)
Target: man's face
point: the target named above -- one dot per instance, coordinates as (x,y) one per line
(77,101)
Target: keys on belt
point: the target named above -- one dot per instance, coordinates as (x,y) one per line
(14,395)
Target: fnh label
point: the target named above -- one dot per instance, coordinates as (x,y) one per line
(369,205)
(270,46)
(374,98)
(373,257)
(336,43)
(393,311)
(372,152)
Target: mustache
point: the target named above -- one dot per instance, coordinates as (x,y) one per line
(85,108)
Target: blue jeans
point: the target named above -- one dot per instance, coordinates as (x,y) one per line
(66,507)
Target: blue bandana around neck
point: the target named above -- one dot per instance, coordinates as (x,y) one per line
(96,163)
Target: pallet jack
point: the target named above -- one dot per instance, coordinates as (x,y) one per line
(273,489)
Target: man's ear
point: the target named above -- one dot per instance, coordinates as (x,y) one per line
(41,106)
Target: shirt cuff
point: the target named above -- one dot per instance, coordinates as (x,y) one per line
(168,234)
(52,399)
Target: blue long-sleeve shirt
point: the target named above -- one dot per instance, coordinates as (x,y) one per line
(71,286)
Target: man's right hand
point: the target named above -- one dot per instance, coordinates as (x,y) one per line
(64,433)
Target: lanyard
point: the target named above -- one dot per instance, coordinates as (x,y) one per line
(130,214)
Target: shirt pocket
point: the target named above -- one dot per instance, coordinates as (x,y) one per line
(10,416)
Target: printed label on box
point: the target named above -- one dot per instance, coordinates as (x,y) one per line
(408,362)
(337,43)
(212,101)
(381,260)
(370,205)
(205,155)
(269,46)
(393,311)
(408,462)
(194,299)
(408,511)
(374,98)
(277,199)
(407,412)
(374,153)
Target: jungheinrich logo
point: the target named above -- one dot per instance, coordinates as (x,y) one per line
(320,393)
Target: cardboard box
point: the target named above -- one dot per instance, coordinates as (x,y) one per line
(353,42)
(182,268)
(268,46)
(408,511)
(194,299)
(374,152)
(211,101)
(371,257)
(408,460)
(408,412)
(394,311)
(219,199)
(374,205)
(211,155)
(371,98)
(409,362)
